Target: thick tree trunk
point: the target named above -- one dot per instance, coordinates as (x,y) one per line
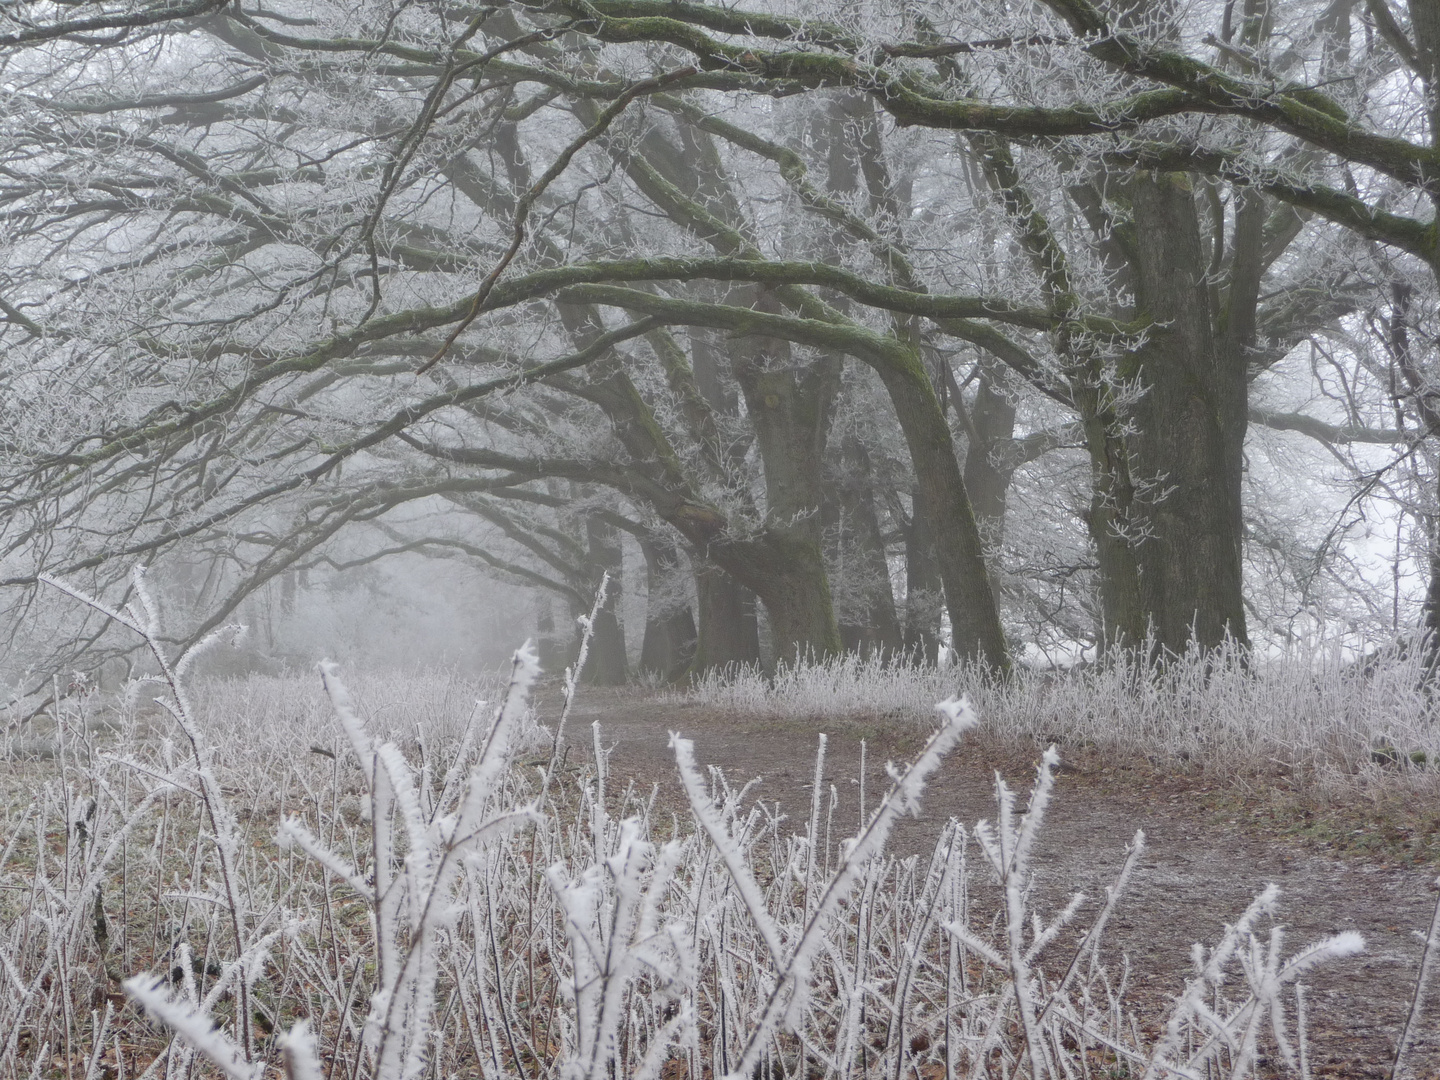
(550,647)
(1165,508)
(606,663)
(669,646)
(1166,443)
(987,479)
(1123,620)
(1189,442)
(924,596)
(790,405)
(786,570)
(670,635)
(974,618)
(728,633)
(974,615)
(874,626)
(796,593)
(991,430)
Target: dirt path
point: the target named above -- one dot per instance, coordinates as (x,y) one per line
(1200,869)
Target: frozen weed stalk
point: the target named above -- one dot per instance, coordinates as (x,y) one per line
(143,618)
(462,904)
(1205,1031)
(412,909)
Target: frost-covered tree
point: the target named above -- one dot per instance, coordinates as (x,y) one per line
(272,274)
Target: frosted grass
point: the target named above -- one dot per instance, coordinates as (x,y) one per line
(1321,717)
(409,932)
(428,895)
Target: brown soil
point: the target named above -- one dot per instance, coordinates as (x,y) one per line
(1211,845)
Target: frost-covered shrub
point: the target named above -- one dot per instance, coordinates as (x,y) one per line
(373,908)
(1325,717)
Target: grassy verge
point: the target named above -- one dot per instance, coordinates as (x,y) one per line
(281,875)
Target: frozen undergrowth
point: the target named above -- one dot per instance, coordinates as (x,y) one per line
(1326,720)
(460,904)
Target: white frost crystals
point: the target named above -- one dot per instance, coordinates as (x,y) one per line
(479,908)
(412,897)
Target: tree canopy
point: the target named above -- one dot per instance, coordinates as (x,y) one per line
(1040,322)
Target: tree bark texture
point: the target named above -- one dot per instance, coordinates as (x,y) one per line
(728,631)
(670,635)
(790,405)
(987,475)
(974,618)
(1184,521)
(858,558)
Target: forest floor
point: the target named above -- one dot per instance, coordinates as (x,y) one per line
(1366,863)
